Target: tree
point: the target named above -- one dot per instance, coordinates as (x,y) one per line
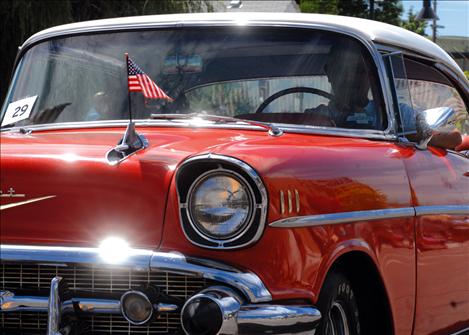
(388,11)
(21,19)
(412,24)
(355,8)
(319,6)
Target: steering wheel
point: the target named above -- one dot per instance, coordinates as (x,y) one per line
(299,89)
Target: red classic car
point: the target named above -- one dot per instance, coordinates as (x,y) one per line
(234,174)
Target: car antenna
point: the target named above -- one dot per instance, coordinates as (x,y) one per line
(132,141)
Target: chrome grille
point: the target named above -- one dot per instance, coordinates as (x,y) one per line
(26,323)
(93,279)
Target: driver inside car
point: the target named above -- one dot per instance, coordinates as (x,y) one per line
(350,108)
(350,84)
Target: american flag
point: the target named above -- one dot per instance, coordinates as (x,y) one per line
(139,82)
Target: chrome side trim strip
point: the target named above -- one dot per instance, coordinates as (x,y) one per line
(445,209)
(378,214)
(464,331)
(344,217)
(142,260)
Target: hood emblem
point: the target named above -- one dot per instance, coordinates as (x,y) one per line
(11,193)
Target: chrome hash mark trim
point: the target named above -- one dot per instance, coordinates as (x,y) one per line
(282,202)
(344,217)
(140,259)
(15,204)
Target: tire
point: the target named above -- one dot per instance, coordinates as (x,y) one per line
(338,307)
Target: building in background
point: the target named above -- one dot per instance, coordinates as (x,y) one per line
(458,48)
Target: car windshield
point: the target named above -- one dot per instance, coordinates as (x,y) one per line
(277,75)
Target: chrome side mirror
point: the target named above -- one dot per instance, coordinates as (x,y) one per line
(434,121)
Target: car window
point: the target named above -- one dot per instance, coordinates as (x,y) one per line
(279,75)
(429,89)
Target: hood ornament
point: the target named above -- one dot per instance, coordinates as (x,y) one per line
(128,145)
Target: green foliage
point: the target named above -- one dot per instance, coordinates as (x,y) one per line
(319,6)
(412,24)
(355,8)
(467,74)
(23,18)
(388,11)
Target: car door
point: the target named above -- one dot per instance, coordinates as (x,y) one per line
(439,182)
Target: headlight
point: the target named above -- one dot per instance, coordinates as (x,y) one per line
(220,205)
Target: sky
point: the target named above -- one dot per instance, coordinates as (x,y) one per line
(453,14)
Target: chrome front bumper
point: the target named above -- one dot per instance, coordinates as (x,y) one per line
(255,314)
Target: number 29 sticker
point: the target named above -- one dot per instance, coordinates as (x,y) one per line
(19,110)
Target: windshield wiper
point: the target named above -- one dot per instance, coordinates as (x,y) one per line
(272,130)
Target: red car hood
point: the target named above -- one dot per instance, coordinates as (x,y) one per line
(57,188)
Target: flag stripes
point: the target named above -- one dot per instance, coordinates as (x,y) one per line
(138,81)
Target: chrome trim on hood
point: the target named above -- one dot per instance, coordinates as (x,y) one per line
(140,259)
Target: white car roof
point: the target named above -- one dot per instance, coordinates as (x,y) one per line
(372,31)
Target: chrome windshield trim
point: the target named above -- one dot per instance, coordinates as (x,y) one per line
(344,217)
(142,260)
(123,123)
(445,209)
(388,134)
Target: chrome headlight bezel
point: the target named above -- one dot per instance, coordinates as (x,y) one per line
(192,170)
(237,233)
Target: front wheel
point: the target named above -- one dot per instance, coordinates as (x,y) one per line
(338,307)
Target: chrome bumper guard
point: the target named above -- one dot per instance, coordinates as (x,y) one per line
(248,310)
